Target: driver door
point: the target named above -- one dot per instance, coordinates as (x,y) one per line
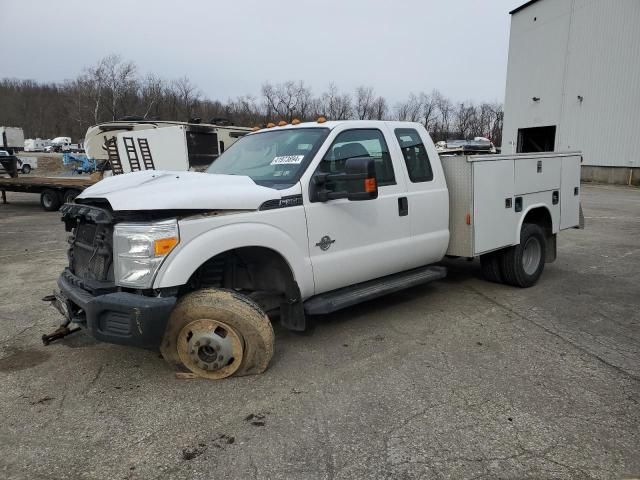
(355,241)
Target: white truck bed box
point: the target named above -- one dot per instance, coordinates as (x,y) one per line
(489,195)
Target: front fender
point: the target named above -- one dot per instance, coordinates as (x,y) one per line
(188,256)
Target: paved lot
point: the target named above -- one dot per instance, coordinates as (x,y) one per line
(458,379)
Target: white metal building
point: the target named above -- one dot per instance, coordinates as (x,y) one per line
(573,83)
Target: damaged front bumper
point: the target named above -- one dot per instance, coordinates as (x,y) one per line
(116,317)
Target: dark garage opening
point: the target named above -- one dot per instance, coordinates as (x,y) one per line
(536,139)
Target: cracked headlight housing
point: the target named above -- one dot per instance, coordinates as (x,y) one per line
(140,248)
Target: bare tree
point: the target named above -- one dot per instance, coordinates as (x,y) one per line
(379,109)
(364,102)
(409,110)
(334,105)
(151,94)
(429,110)
(112,87)
(186,96)
(287,100)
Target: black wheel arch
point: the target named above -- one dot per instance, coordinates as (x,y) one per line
(262,274)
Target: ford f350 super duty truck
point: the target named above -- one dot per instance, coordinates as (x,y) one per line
(299,220)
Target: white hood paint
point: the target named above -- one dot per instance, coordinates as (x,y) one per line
(161,190)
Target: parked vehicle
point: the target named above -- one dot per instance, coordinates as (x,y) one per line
(135,145)
(299,220)
(63,144)
(36,144)
(27,164)
(54,191)
(11,139)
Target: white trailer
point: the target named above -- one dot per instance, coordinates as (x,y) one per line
(11,139)
(179,147)
(36,144)
(202,147)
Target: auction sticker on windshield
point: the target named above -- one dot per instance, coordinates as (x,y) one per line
(287,160)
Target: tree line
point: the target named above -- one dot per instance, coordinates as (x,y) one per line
(113,88)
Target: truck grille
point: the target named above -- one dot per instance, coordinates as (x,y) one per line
(91,252)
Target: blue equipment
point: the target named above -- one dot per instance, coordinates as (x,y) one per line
(82,163)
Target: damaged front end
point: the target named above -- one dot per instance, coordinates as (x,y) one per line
(88,294)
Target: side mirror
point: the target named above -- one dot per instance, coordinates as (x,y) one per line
(357,182)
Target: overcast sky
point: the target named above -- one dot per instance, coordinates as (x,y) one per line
(230,48)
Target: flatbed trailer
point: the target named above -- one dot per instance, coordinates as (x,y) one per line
(54,191)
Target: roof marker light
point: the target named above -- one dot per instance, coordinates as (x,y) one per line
(295,121)
(282,123)
(321,119)
(271,125)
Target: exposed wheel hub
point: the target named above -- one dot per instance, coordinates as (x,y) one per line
(531,255)
(210,348)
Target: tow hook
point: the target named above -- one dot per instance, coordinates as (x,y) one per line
(63,330)
(60,332)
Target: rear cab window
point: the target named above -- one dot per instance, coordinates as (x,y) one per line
(415,155)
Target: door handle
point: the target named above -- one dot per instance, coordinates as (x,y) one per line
(403,206)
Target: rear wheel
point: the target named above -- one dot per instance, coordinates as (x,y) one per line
(490,265)
(218,333)
(50,200)
(26,169)
(70,195)
(523,264)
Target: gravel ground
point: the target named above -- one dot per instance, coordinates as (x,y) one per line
(456,379)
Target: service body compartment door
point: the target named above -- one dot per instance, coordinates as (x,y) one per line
(570,192)
(494,219)
(537,175)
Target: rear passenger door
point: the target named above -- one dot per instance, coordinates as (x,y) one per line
(427,196)
(355,241)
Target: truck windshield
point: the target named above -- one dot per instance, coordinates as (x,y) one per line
(275,158)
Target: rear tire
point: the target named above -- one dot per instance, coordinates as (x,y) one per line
(26,169)
(70,195)
(50,200)
(229,323)
(490,266)
(523,264)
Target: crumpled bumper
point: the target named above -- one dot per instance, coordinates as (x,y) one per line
(118,317)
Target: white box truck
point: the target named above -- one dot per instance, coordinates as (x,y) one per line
(11,139)
(300,220)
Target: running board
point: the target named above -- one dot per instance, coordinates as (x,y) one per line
(361,292)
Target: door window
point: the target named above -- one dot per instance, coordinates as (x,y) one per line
(360,143)
(415,155)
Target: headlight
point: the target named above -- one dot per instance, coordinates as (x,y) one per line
(140,248)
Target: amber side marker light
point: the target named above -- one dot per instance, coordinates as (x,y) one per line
(163,246)
(370,185)
(468,219)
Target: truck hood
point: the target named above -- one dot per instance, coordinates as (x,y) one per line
(162,190)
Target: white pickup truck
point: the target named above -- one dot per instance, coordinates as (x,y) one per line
(299,220)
